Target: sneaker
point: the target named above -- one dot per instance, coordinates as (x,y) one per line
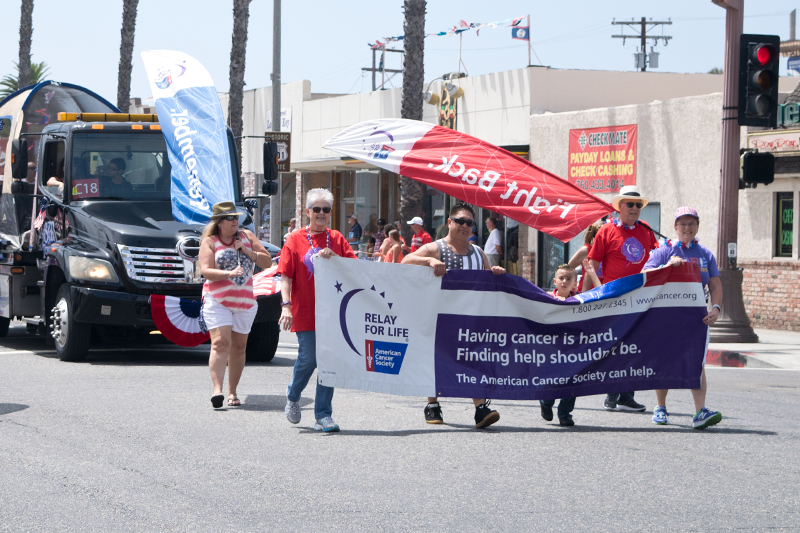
(326,424)
(485,417)
(567,422)
(629,404)
(292,411)
(610,402)
(660,416)
(433,413)
(547,412)
(705,418)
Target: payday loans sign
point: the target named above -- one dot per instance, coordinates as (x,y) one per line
(472,334)
(603,159)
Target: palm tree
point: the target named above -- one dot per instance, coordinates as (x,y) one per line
(10,84)
(25,36)
(412,192)
(241,14)
(126,54)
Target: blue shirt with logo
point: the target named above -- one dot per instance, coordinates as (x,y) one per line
(697,254)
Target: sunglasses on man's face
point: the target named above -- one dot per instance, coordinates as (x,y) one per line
(637,204)
(325,210)
(231,218)
(462,221)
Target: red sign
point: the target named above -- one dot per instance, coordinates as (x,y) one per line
(603,159)
(88,188)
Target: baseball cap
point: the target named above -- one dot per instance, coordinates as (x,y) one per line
(353,216)
(415,220)
(686,211)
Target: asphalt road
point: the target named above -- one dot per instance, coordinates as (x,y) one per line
(128,441)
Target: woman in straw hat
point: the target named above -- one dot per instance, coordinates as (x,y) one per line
(227,256)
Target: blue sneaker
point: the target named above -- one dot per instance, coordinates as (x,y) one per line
(326,424)
(705,418)
(660,416)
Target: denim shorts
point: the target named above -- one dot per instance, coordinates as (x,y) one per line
(217,315)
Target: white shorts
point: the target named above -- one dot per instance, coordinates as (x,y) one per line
(217,315)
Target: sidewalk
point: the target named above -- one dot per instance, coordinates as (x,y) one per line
(775,349)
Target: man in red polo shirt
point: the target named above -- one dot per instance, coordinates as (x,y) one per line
(421,237)
(623,246)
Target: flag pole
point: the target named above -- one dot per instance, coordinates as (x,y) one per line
(529,40)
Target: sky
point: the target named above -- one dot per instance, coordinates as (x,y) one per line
(326,42)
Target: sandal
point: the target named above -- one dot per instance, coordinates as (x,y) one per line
(216,400)
(234,402)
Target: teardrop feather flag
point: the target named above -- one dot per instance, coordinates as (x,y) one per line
(473,171)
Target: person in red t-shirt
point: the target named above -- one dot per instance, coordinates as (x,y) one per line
(623,247)
(420,238)
(297,291)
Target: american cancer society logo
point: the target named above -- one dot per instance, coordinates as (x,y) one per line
(167,74)
(366,316)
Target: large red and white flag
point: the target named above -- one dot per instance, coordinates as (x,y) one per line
(473,171)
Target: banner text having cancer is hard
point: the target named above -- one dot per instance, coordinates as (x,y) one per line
(474,171)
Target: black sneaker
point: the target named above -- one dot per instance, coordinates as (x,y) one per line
(566,421)
(610,402)
(629,404)
(485,417)
(433,413)
(547,412)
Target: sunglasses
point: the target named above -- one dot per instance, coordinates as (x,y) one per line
(230,218)
(462,221)
(631,204)
(325,210)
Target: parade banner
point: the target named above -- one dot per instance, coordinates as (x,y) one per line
(473,171)
(194,127)
(397,329)
(603,159)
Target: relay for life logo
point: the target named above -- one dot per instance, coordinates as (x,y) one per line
(166,73)
(367,318)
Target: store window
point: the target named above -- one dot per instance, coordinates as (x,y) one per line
(784,222)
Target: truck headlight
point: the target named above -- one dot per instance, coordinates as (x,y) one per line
(89,269)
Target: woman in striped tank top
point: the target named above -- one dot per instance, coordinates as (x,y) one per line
(227,256)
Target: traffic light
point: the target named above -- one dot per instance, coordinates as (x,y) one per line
(758,80)
(270,186)
(757,167)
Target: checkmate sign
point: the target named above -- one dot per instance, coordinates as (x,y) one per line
(474,171)
(472,334)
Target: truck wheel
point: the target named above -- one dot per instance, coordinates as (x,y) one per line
(71,337)
(263,342)
(4,323)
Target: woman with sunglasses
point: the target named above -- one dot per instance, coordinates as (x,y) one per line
(227,256)
(298,307)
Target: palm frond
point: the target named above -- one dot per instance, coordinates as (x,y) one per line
(10,83)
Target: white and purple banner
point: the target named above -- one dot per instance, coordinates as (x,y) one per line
(194,127)
(397,329)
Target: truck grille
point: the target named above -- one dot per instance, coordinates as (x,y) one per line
(153,265)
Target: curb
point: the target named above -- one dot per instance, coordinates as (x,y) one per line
(731,359)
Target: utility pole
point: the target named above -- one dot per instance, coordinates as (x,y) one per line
(275,214)
(641,57)
(383,70)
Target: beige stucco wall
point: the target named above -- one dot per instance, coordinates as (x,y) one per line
(678,152)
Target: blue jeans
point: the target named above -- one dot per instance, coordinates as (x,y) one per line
(565,406)
(303,368)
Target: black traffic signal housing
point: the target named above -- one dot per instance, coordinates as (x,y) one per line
(758,80)
(757,167)
(270,186)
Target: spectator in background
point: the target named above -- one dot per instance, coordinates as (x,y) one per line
(493,246)
(589,279)
(384,248)
(473,239)
(355,231)
(395,252)
(420,237)
(379,237)
(290,229)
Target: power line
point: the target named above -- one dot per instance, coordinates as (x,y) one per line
(642,55)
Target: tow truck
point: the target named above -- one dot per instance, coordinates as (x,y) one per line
(79,259)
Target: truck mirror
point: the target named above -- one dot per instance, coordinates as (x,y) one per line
(269,188)
(19,159)
(270,161)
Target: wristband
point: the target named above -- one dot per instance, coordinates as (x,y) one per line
(717,306)
(287,302)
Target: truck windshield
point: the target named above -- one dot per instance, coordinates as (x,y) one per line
(123,166)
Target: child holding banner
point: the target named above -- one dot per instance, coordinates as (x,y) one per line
(674,252)
(566,282)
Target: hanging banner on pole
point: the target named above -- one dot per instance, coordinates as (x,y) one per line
(473,171)
(194,127)
(603,159)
